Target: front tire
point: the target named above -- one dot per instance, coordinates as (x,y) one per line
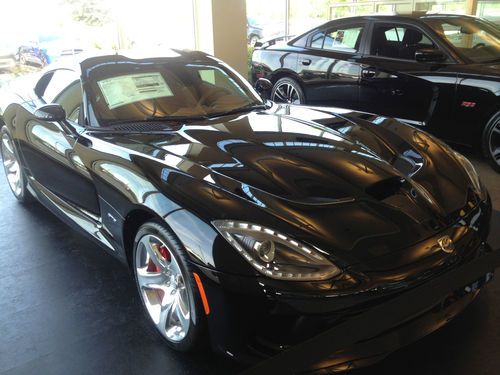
(165,282)
(287,90)
(491,141)
(13,169)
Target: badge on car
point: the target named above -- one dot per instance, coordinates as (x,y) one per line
(446,244)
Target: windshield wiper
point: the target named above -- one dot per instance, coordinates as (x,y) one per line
(245,108)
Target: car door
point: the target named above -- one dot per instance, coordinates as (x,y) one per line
(328,65)
(393,83)
(48,148)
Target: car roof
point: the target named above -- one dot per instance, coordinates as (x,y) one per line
(88,59)
(415,16)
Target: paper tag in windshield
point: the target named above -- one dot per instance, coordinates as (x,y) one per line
(122,90)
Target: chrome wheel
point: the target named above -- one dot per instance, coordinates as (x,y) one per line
(286,93)
(11,166)
(494,142)
(162,288)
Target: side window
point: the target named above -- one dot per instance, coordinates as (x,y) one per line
(395,34)
(398,41)
(301,42)
(317,40)
(60,80)
(343,39)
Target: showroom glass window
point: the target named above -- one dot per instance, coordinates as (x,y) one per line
(475,39)
(342,39)
(398,41)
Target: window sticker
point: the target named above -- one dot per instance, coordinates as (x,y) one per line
(131,88)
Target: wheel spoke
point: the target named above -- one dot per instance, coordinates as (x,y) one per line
(165,316)
(181,312)
(8,163)
(7,146)
(496,153)
(279,95)
(150,279)
(174,268)
(289,89)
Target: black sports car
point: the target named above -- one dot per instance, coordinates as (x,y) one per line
(258,223)
(440,72)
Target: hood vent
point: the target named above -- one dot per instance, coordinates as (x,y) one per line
(385,188)
(153,126)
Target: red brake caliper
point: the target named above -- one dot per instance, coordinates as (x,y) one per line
(152,267)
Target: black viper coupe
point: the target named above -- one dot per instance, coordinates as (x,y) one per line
(252,223)
(439,72)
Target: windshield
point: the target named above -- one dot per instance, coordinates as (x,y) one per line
(138,91)
(473,38)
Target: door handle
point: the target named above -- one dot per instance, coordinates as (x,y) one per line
(306,62)
(397,92)
(368,73)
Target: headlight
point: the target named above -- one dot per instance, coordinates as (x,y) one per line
(471,172)
(274,254)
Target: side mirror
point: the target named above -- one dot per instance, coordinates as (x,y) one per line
(429,55)
(50,112)
(263,86)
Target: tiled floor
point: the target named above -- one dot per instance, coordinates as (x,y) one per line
(67,308)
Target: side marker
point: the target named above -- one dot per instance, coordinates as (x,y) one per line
(204,299)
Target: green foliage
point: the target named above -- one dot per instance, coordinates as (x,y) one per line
(250,50)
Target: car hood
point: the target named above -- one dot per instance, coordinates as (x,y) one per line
(318,184)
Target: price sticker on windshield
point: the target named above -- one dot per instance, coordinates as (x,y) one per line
(132,88)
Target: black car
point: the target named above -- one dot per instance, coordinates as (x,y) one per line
(440,72)
(259,224)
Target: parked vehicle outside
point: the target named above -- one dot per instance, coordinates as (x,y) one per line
(32,55)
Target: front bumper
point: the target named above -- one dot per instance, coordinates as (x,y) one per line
(377,348)
(251,320)
(252,329)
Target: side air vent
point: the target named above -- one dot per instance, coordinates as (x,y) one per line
(385,188)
